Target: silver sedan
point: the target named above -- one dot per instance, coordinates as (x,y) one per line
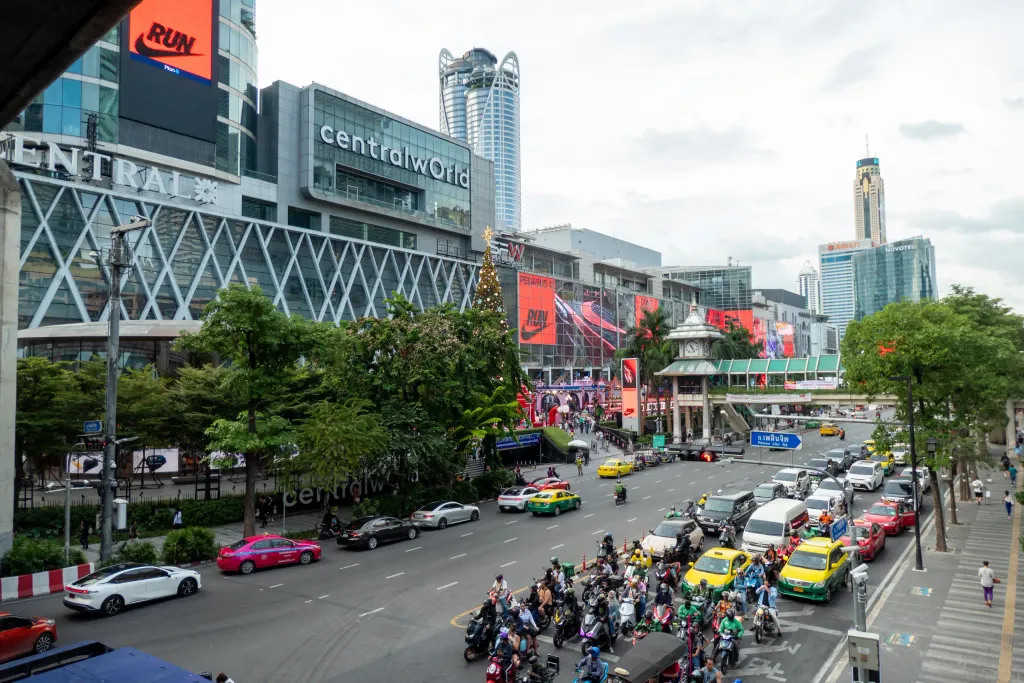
(441,513)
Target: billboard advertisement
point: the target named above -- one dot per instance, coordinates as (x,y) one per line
(643,304)
(166,74)
(156,460)
(786,334)
(630,394)
(536,309)
(721,319)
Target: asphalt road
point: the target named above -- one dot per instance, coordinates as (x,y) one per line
(399,611)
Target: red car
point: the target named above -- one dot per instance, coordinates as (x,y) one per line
(257,552)
(25,635)
(892,517)
(547,483)
(870,538)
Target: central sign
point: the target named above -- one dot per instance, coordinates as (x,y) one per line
(782,440)
(402,158)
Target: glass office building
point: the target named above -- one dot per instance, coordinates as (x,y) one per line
(724,288)
(898,271)
(835,261)
(479,103)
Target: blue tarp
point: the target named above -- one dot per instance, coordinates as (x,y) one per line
(123,665)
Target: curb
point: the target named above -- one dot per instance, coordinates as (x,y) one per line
(41,583)
(192,565)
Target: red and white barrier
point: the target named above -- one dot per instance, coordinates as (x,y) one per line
(43,583)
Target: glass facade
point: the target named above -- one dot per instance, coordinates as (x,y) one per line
(724,289)
(898,271)
(238,97)
(835,262)
(352,174)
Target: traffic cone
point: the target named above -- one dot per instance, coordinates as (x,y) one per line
(584,562)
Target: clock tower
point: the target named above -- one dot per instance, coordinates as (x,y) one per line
(692,341)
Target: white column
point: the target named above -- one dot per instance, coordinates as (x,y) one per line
(706,400)
(10,238)
(677,429)
(688,412)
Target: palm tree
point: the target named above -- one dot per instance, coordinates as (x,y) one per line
(735,343)
(648,341)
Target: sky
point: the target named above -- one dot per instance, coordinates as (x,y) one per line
(715,129)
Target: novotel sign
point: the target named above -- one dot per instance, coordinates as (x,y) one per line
(401,158)
(900,247)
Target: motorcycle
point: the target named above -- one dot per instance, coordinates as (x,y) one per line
(620,498)
(763,623)
(604,676)
(727,536)
(592,631)
(706,610)
(566,622)
(663,615)
(627,617)
(479,635)
(727,650)
(496,672)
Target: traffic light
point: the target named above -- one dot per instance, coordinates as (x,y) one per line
(708,456)
(94,442)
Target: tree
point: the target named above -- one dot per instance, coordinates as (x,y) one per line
(200,398)
(261,438)
(262,346)
(648,341)
(488,289)
(735,343)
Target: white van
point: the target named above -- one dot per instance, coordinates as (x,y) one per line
(774,523)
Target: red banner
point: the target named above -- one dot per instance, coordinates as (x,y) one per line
(643,304)
(536,309)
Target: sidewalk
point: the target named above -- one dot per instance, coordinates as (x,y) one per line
(229,533)
(934,626)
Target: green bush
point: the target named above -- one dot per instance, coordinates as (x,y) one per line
(191,544)
(134,551)
(29,556)
(490,484)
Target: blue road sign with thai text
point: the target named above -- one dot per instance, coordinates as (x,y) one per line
(783,440)
(92,427)
(839,528)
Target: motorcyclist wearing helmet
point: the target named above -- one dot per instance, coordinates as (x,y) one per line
(672,513)
(487,612)
(689,611)
(504,650)
(681,550)
(646,625)
(703,590)
(603,615)
(591,667)
(620,489)
(724,605)
(731,623)
(501,591)
(664,595)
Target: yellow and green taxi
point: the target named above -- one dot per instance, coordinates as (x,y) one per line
(870,445)
(615,467)
(553,502)
(816,570)
(828,429)
(888,461)
(719,567)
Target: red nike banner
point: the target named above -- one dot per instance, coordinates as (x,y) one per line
(536,309)
(175,34)
(644,304)
(630,395)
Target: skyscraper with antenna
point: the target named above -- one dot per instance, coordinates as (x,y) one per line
(869,199)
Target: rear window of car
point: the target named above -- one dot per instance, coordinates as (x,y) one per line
(817,503)
(829,484)
(100,575)
(820,463)
(765,491)
(785,476)
(883,510)
(764,527)
(359,522)
(898,488)
(431,506)
(866,470)
(518,491)
(238,545)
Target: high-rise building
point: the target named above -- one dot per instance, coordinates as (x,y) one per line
(900,271)
(723,288)
(835,261)
(810,287)
(479,103)
(869,202)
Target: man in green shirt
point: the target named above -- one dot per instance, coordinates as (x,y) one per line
(620,489)
(731,623)
(688,609)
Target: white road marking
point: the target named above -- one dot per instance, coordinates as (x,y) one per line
(464,535)
(670,490)
(510,540)
(602,485)
(659,481)
(552,527)
(308,601)
(678,475)
(419,547)
(455,557)
(590,515)
(447,585)
(556,547)
(512,522)
(646,497)
(810,627)
(509,564)
(660,509)
(711,476)
(277,585)
(329,595)
(394,575)
(366,614)
(632,520)
(349,566)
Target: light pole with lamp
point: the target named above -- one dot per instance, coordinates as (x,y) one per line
(918,561)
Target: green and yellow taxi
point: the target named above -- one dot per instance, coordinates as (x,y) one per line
(615,467)
(719,567)
(887,459)
(869,444)
(816,570)
(553,502)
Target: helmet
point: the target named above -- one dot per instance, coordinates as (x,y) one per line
(595,652)
(661,566)
(731,613)
(608,536)
(663,586)
(673,508)
(498,577)
(703,583)
(503,634)
(650,614)
(554,562)
(687,603)
(756,558)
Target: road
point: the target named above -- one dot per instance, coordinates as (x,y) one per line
(398,612)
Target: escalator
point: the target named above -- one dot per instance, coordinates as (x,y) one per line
(737,421)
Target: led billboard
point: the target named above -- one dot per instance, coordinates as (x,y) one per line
(174,35)
(536,309)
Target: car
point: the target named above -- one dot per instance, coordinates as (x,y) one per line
(824,464)
(21,636)
(768,491)
(815,571)
(614,467)
(663,536)
(899,489)
(260,552)
(553,502)
(865,475)
(857,452)
(370,531)
(887,460)
(109,590)
(841,457)
(828,429)
(900,453)
(734,508)
(869,444)
(893,517)
(441,513)
(719,567)
(870,538)
(924,480)
(796,480)
(545,483)
(820,501)
(516,498)
(651,459)
(843,485)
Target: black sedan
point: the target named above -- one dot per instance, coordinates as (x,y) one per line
(369,532)
(827,464)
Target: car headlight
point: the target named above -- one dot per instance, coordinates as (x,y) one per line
(820,584)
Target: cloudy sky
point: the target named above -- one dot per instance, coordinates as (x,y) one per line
(714,129)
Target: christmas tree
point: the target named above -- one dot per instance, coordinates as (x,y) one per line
(488,291)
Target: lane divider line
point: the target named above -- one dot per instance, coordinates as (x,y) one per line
(632,520)
(512,522)
(508,564)
(447,585)
(510,540)
(374,611)
(556,547)
(277,585)
(464,535)
(394,575)
(552,527)
(590,515)
(329,595)
(419,547)
(308,601)
(455,557)
(349,566)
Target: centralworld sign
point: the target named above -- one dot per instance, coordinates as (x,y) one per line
(433,167)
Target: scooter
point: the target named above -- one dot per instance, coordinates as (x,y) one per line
(663,615)
(727,650)
(496,672)
(566,621)
(604,676)
(627,617)
(479,634)
(593,632)
(620,498)
(727,536)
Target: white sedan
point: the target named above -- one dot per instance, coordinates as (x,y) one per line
(107,591)
(441,513)
(516,497)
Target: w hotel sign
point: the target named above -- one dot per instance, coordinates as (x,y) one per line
(507,253)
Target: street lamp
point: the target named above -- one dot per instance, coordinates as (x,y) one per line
(118,265)
(918,561)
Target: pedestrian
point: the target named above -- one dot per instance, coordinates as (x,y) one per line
(579,465)
(133,532)
(988,581)
(83,534)
(1013,476)
(177,519)
(979,489)
(223,678)
(261,510)
(1008,502)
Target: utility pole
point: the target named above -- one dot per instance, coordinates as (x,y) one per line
(918,560)
(860,605)
(118,265)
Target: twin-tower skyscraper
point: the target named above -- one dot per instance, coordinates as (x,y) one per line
(479,103)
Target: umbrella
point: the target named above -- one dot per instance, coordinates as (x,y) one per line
(576,443)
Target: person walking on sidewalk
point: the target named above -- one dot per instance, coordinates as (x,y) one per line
(1013,476)
(1008,502)
(979,489)
(988,580)
(83,535)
